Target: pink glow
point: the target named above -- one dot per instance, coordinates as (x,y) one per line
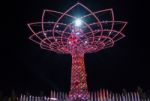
(64,37)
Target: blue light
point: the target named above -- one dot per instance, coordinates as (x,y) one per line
(78,22)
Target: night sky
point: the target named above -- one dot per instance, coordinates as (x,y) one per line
(26,67)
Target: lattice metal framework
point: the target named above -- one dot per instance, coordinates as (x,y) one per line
(77,34)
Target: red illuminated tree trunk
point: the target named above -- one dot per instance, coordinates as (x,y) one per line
(79,89)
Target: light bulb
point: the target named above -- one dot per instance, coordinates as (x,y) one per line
(78,22)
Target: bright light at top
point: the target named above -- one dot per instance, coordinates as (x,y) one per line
(78,22)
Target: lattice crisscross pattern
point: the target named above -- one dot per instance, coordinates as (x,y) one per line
(98,31)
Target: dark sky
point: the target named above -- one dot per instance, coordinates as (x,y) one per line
(26,67)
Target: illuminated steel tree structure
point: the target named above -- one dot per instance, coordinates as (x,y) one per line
(77,31)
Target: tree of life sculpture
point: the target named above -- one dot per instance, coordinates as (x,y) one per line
(77,31)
